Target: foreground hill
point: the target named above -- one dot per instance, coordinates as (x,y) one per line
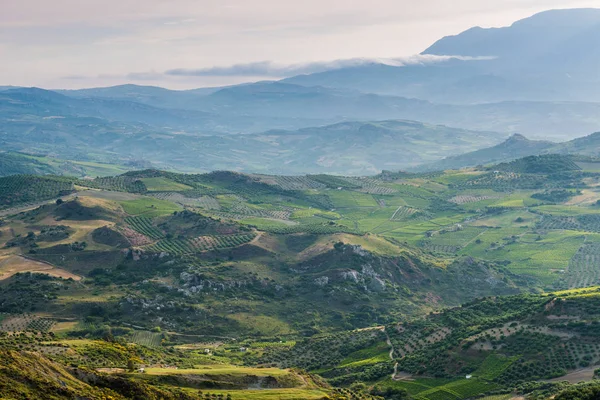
(238,279)
(508,347)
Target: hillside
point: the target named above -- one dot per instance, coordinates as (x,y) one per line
(239,279)
(516,146)
(27,164)
(505,347)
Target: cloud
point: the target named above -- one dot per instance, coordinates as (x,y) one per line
(144,76)
(272,69)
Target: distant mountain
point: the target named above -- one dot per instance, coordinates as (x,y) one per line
(587,145)
(515,147)
(23,104)
(550,56)
(151,95)
(530,37)
(258,107)
(356,148)
(348,148)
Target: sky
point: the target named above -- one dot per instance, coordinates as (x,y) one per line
(184,44)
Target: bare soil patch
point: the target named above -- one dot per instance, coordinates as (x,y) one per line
(12,265)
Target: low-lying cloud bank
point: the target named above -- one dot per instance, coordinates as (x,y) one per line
(272,69)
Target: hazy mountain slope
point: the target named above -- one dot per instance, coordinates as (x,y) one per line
(525,40)
(46,103)
(351,148)
(587,145)
(272,105)
(15,164)
(516,146)
(359,148)
(151,95)
(550,56)
(22,104)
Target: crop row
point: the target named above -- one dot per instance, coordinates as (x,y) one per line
(440,248)
(371,186)
(317,229)
(465,199)
(505,181)
(23,322)
(205,202)
(590,223)
(403,213)
(146,338)
(584,268)
(292,182)
(199,244)
(116,183)
(145,226)
(19,189)
(242,209)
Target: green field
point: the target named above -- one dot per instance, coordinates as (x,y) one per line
(149,207)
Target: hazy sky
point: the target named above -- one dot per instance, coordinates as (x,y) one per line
(193,43)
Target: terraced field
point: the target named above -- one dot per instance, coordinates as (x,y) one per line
(145,226)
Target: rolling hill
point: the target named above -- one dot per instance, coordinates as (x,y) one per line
(224,282)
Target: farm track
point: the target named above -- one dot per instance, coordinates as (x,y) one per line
(391,354)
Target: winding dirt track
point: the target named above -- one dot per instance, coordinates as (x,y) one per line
(389,343)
